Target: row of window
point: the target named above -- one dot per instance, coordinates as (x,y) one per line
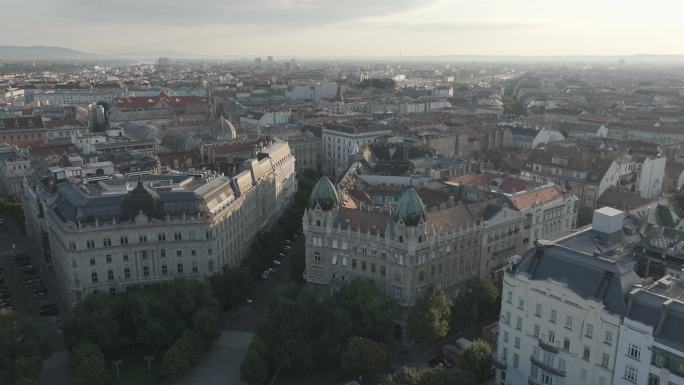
(146,271)
(143,255)
(142,238)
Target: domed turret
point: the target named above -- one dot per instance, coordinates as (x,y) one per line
(223,129)
(410,209)
(324,195)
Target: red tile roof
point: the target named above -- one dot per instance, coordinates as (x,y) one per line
(525,200)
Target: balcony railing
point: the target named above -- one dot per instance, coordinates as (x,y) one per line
(547,368)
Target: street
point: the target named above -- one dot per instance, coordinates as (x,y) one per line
(221,362)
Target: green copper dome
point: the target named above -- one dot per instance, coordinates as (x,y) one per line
(410,208)
(324,195)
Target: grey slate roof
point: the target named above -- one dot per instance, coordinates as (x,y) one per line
(586,275)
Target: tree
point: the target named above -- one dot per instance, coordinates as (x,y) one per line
(477,301)
(255,368)
(406,376)
(476,359)
(231,286)
(428,320)
(90,367)
(362,356)
(368,307)
(585,216)
(205,324)
(96,319)
(22,345)
(181,355)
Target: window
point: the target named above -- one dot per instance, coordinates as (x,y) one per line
(127,273)
(568,322)
(194,267)
(210,266)
(634,351)
(165,270)
(143,237)
(162,253)
(546,379)
(421,276)
(209,251)
(317,257)
(108,258)
(179,253)
(363,265)
(517,342)
(554,316)
(382,270)
(354,263)
(521,303)
(509,297)
(110,275)
(180,268)
(125,257)
(193,252)
(146,271)
(536,330)
(552,337)
(162,237)
(631,374)
(508,318)
(653,379)
(504,354)
(92,261)
(538,310)
(397,292)
(143,254)
(177,236)
(90,244)
(516,360)
(518,323)
(505,336)
(107,242)
(112,290)
(608,338)
(589,331)
(586,354)
(123,240)
(566,344)
(561,364)
(93,277)
(605,360)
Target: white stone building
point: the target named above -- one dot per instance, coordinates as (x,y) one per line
(342,143)
(562,307)
(121,233)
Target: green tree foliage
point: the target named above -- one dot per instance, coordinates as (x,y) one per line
(368,307)
(428,320)
(431,376)
(176,317)
(478,301)
(476,358)
(585,216)
(255,368)
(362,356)
(181,355)
(90,366)
(12,207)
(231,286)
(22,345)
(513,107)
(303,332)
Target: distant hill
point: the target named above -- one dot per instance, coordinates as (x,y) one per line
(39,52)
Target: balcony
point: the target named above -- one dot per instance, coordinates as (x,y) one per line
(546,368)
(496,363)
(548,347)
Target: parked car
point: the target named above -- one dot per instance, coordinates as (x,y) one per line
(249,301)
(264,275)
(281,254)
(276,262)
(287,242)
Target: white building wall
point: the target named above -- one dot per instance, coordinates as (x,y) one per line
(652,177)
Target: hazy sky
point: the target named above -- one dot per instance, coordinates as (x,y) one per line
(349,27)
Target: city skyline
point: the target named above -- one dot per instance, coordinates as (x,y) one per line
(326,28)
